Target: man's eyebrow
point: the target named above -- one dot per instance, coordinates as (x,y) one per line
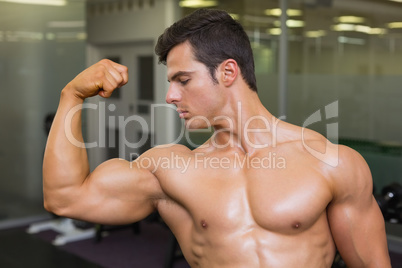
(179,73)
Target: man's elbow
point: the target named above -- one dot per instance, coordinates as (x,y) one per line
(53,205)
(50,207)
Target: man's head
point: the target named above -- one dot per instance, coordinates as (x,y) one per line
(214,37)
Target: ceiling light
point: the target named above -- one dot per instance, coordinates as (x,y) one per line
(378,31)
(350,19)
(395,25)
(362,29)
(291,23)
(66,24)
(38,2)
(277,12)
(344,27)
(315,34)
(274,31)
(295,23)
(197,3)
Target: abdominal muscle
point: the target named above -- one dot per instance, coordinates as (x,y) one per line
(258,247)
(215,242)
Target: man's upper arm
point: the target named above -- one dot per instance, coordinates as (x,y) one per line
(116,192)
(355,219)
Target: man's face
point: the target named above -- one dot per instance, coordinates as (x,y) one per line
(197,98)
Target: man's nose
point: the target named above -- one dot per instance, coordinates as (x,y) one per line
(173,95)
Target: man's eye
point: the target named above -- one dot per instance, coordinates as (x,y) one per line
(183,82)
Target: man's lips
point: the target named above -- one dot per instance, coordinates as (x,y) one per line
(182,113)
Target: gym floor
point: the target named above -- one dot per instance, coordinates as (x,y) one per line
(19,249)
(121,248)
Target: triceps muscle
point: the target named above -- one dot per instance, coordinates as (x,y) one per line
(117,193)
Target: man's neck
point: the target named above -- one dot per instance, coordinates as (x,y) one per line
(245,123)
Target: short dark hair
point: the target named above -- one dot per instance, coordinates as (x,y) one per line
(215,37)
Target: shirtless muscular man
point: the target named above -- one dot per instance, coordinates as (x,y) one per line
(228,208)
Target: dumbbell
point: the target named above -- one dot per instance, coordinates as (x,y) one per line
(391,196)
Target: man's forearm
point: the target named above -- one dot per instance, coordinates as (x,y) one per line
(65,164)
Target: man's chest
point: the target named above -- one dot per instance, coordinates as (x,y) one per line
(278,200)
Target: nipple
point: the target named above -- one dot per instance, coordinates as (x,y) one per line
(297,225)
(204,224)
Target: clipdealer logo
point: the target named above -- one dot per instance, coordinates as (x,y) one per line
(329,156)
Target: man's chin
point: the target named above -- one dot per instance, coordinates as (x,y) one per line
(192,125)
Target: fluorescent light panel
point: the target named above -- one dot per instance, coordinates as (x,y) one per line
(295,23)
(378,31)
(395,25)
(66,24)
(315,34)
(197,3)
(38,2)
(274,31)
(291,23)
(350,19)
(345,27)
(277,12)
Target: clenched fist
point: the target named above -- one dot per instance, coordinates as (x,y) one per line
(101,79)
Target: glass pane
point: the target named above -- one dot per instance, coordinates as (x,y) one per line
(352,55)
(146,77)
(38,56)
(112,142)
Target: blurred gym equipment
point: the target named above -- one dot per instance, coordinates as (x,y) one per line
(390,202)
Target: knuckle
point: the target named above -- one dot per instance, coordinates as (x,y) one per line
(99,75)
(104,61)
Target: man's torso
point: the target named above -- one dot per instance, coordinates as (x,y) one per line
(230,209)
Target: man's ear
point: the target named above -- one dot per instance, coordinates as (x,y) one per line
(229,71)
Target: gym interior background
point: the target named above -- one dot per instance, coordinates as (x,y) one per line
(342,52)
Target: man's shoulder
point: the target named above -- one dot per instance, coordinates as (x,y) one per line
(345,170)
(351,161)
(286,132)
(352,174)
(306,142)
(340,159)
(336,160)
